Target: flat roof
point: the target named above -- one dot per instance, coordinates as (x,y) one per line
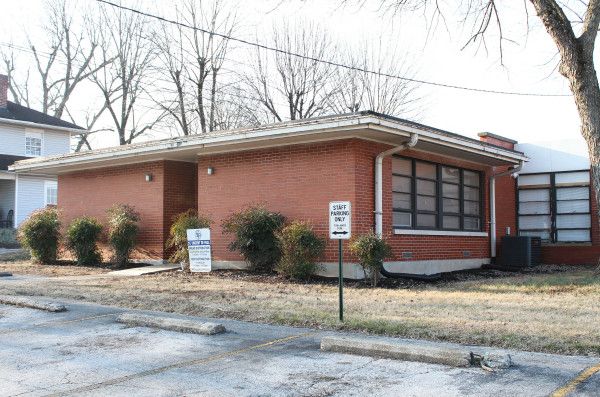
(366,125)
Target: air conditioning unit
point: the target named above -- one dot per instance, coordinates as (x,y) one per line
(520,251)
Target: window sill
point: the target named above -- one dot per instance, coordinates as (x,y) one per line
(417,232)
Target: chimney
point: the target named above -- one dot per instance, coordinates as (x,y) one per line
(497,140)
(3,90)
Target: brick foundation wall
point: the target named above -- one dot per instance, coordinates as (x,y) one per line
(300,181)
(91,192)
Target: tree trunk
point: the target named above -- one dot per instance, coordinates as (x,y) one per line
(586,93)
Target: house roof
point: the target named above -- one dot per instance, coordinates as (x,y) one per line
(7,159)
(16,112)
(363,125)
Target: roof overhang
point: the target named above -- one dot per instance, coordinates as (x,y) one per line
(7,175)
(30,124)
(368,127)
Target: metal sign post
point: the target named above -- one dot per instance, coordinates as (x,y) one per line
(340,229)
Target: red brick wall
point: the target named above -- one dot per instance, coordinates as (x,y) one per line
(506,207)
(91,192)
(300,180)
(3,90)
(180,192)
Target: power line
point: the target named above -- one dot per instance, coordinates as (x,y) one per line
(331,63)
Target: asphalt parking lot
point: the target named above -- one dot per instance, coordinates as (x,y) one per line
(83,351)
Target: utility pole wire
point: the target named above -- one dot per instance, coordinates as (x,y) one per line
(336,64)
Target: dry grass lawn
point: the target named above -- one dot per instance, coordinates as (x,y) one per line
(556,312)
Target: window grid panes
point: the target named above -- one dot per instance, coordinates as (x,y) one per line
(555,206)
(433,196)
(33,146)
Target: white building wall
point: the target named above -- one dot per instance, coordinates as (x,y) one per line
(12,139)
(55,143)
(556,155)
(30,194)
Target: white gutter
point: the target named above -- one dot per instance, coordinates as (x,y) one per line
(414,138)
(493,206)
(43,126)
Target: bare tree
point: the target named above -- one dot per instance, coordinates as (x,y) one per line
(193,60)
(125,81)
(367,85)
(292,87)
(62,63)
(19,91)
(207,53)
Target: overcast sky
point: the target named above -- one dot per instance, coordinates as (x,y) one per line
(529,64)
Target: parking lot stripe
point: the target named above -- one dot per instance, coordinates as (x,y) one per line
(51,323)
(181,364)
(579,379)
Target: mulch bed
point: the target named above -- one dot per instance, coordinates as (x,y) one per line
(392,283)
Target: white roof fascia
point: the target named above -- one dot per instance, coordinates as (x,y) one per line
(268,133)
(462,144)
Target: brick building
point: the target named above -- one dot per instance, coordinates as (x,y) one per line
(425,189)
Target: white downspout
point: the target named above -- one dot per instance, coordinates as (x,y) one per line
(414,137)
(493,206)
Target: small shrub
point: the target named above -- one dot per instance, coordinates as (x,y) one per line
(40,234)
(8,238)
(82,237)
(300,247)
(254,231)
(122,232)
(371,250)
(178,235)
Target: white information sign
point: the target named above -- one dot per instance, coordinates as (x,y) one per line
(199,249)
(339,220)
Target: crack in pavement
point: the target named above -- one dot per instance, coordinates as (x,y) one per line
(180,364)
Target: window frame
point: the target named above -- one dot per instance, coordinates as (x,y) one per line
(29,135)
(439,198)
(553,206)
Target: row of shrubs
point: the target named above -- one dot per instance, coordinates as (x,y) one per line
(263,238)
(41,235)
(268,243)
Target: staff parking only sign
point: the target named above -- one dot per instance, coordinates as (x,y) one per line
(199,249)
(339,220)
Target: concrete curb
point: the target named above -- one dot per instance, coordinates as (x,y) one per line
(399,350)
(171,324)
(32,303)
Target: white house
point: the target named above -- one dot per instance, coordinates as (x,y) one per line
(27,133)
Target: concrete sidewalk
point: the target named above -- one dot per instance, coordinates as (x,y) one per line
(83,351)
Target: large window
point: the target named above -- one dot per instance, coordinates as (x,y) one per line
(434,196)
(555,206)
